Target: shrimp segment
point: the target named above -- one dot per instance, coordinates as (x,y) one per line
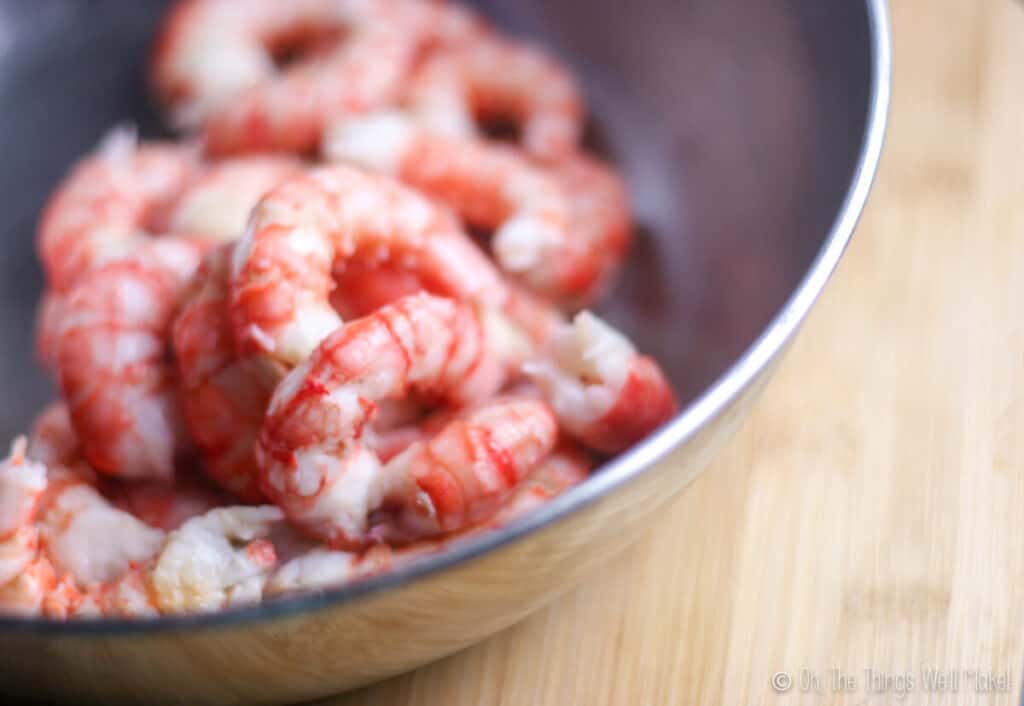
(211,562)
(604,393)
(503,79)
(215,66)
(49,313)
(209,51)
(107,201)
(282,266)
(53,440)
(112,365)
(563,229)
(290,113)
(66,551)
(319,568)
(218,203)
(465,472)
(223,396)
(22,483)
(216,560)
(311,450)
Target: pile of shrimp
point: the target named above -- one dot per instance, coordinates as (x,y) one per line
(339,325)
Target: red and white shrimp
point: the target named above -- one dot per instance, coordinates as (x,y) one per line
(320,568)
(215,66)
(219,559)
(223,396)
(103,210)
(48,318)
(211,562)
(57,529)
(282,267)
(22,483)
(563,230)
(112,360)
(462,475)
(53,441)
(91,540)
(217,204)
(603,392)
(501,79)
(108,200)
(311,450)
(66,551)
(438,99)
(166,507)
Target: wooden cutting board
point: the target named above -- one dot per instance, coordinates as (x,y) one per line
(870,515)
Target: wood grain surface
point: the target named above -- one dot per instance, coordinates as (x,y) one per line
(870,513)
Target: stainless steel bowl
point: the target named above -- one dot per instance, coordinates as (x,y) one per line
(750,131)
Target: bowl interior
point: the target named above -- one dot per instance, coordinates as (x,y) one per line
(737,123)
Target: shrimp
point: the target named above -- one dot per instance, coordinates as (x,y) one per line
(56,529)
(107,201)
(53,441)
(219,559)
(215,66)
(501,79)
(462,475)
(602,391)
(438,99)
(223,396)
(48,318)
(22,483)
(281,269)
(213,561)
(311,451)
(111,360)
(163,506)
(563,229)
(216,206)
(91,540)
(319,568)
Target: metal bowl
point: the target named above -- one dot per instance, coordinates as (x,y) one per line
(750,131)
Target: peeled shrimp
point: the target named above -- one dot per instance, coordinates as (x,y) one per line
(311,454)
(55,444)
(107,201)
(502,79)
(219,559)
(53,441)
(112,364)
(462,475)
(90,539)
(211,562)
(564,230)
(215,66)
(282,266)
(166,507)
(217,204)
(602,391)
(56,529)
(66,551)
(321,568)
(48,318)
(438,99)
(223,396)
(22,483)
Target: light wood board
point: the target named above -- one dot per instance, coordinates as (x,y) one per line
(871,512)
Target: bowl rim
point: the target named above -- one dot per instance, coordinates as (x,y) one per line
(621,470)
